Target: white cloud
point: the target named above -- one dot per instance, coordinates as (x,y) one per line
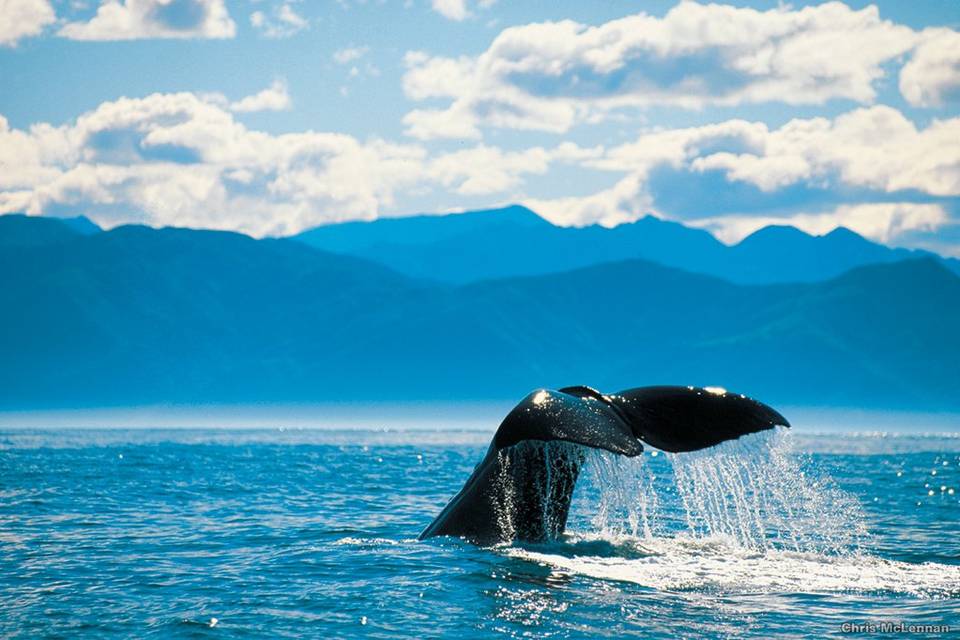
(349,54)
(428,77)
(553,75)
(451,9)
(22,19)
(426,124)
(282,22)
(932,76)
(183,159)
(273,98)
(143,19)
(882,222)
(28,158)
(179,159)
(876,149)
(626,201)
(458,10)
(485,170)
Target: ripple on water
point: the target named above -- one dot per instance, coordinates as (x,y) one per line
(293,534)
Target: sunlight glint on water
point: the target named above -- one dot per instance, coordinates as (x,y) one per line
(293,533)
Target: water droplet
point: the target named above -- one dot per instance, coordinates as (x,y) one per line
(363,619)
(934,472)
(930,493)
(654,453)
(213,622)
(899,473)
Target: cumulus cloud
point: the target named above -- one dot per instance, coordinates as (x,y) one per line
(932,75)
(551,76)
(427,124)
(876,151)
(877,148)
(183,159)
(179,159)
(22,19)
(626,201)
(282,22)
(451,9)
(428,77)
(273,98)
(485,170)
(143,19)
(458,10)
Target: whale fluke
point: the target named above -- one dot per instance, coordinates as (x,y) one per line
(681,419)
(522,488)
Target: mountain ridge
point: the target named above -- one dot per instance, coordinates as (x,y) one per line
(137,316)
(478,251)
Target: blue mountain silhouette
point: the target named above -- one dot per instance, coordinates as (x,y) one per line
(136,316)
(512,241)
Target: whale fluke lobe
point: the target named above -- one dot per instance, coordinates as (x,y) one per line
(557,415)
(690,418)
(522,488)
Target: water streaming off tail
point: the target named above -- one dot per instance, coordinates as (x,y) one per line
(747,516)
(753,491)
(535,484)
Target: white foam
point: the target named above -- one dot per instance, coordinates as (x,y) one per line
(366,542)
(747,516)
(719,564)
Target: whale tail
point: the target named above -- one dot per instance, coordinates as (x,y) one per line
(523,486)
(680,419)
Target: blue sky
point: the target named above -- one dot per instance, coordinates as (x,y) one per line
(272,116)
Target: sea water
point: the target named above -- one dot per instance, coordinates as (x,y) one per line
(307,533)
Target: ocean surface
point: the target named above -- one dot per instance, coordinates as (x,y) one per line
(309,533)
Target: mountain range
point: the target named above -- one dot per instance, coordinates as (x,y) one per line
(511,241)
(137,315)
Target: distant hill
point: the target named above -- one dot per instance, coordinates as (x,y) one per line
(82,225)
(135,315)
(20,230)
(515,241)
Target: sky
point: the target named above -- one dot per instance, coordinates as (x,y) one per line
(269,117)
